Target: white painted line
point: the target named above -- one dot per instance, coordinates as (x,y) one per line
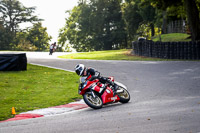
(49,111)
(52,67)
(57,110)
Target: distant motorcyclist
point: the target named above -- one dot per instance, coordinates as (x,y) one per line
(91,74)
(52,48)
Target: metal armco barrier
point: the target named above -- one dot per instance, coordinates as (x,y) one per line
(167,50)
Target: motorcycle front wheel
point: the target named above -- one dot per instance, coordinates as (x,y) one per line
(93,102)
(124,96)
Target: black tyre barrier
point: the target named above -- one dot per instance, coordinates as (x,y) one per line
(13,62)
(167,50)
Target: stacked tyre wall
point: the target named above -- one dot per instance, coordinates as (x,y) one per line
(167,50)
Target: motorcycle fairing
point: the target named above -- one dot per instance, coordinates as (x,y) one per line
(90,85)
(107,96)
(111,78)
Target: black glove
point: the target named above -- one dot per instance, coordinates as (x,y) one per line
(103,80)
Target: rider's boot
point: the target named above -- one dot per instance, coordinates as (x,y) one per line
(115,86)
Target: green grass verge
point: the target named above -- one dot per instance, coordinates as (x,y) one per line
(38,87)
(122,54)
(173,37)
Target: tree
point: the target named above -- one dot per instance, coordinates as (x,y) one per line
(4,37)
(95,25)
(13,13)
(132,17)
(114,27)
(22,43)
(148,13)
(72,31)
(39,37)
(193,18)
(106,25)
(192,13)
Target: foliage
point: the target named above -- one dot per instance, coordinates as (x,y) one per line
(132,18)
(99,24)
(39,37)
(21,42)
(5,37)
(12,14)
(38,87)
(35,38)
(71,31)
(95,25)
(188,8)
(159,13)
(148,13)
(144,31)
(173,37)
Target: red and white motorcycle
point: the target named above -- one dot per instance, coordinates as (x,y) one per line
(96,94)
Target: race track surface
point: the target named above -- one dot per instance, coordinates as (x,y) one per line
(165,98)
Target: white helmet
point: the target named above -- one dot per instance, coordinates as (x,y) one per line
(79,69)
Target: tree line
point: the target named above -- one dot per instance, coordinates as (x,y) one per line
(97,24)
(111,24)
(12,37)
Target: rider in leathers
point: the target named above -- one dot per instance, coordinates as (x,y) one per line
(92,74)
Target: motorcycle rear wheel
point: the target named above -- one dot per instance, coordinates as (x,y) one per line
(124,96)
(95,103)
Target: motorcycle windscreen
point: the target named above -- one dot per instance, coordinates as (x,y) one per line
(82,79)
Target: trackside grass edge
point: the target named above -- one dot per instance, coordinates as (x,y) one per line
(123,54)
(38,87)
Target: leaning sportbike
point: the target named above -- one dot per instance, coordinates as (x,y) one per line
(96,94)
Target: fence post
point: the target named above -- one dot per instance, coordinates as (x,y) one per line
(193,52)
(133,47)
(144,48)
(171,50)
(175,50)
(198,49)
(181,50)
(184,50)
(164,50)
(156,50)
(159,50)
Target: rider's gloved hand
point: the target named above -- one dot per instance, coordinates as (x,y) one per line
(103,80)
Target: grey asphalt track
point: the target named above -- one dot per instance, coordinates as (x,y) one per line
(165,98)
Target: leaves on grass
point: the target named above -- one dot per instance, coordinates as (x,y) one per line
(25,88)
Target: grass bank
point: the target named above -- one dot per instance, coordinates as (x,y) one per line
(126,54)
(38,87)
(122,54)
(173,37)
